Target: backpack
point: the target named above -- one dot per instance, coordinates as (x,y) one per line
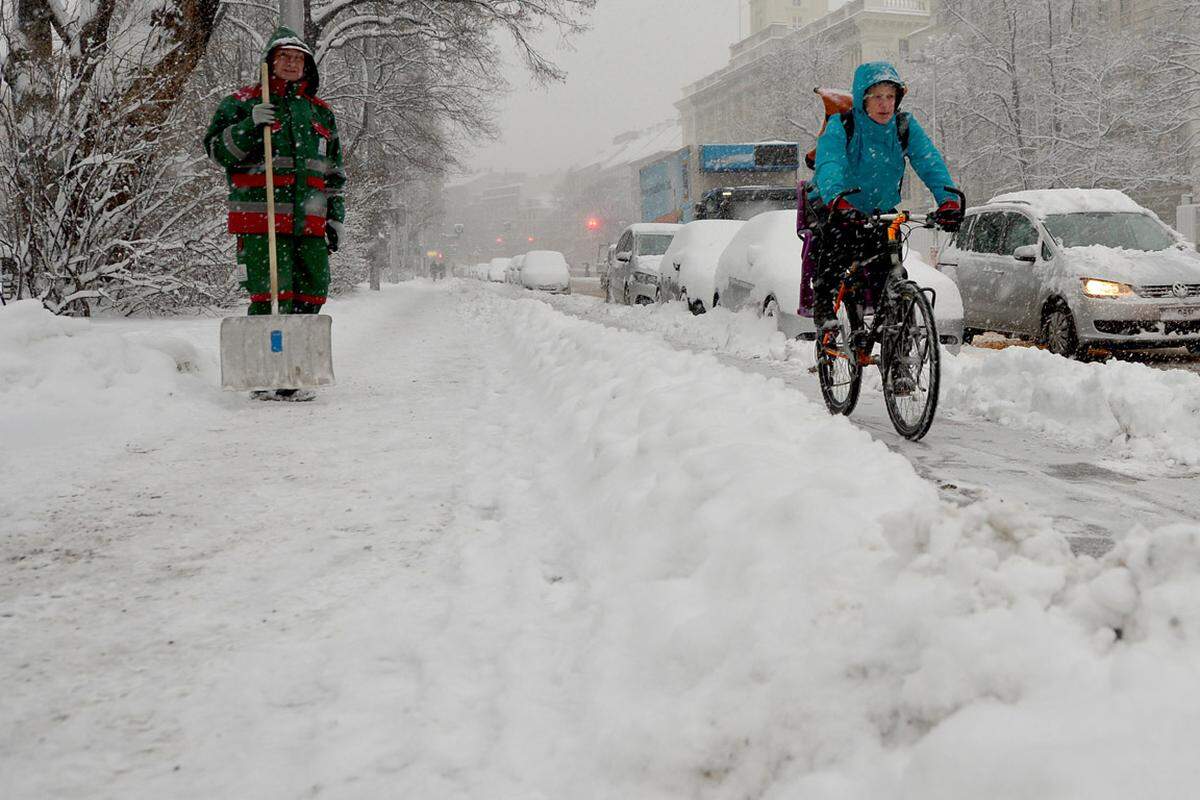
(842,104)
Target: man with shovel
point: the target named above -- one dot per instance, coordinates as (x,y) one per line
(309,209)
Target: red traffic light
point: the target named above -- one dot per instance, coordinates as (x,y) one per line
(531,240)
(499,240)
(593,224)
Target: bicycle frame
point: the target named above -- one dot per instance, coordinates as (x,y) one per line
(861,344)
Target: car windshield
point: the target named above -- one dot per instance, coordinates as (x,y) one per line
(1121,230)
(653,244)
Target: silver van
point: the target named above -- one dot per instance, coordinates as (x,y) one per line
(1074,269)
(634,275)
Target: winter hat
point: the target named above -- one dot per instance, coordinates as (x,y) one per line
(287,38)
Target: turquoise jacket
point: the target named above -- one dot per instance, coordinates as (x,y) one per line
(873,160)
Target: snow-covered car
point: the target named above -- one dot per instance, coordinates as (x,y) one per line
(546,271)
(634,276)
(497,269)
(1075,269)
(513,274)
(688,266)
(762,266)
(605,268)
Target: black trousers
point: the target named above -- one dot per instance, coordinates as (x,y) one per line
(838,244)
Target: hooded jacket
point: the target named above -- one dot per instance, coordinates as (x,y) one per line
(307,162)
(873,160)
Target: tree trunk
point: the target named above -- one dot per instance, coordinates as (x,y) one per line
(27,70)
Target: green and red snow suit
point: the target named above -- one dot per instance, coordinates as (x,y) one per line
(308,177)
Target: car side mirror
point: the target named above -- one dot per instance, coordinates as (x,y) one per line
(678,265)
(624,257)
(1028,253)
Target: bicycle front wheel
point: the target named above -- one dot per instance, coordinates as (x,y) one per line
(911,363)
(837,365)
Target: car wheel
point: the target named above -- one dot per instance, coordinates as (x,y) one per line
(770,308)
(1193,348)
(1059,333)
(696,307)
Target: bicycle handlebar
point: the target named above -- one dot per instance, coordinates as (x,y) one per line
(924,220)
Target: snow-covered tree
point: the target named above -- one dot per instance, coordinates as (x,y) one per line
(1049,94)
(101,204)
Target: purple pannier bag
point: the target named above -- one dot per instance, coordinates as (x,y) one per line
(805,234)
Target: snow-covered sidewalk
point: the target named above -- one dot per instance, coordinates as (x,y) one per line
(515,554)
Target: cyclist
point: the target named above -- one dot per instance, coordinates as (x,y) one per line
(868,155)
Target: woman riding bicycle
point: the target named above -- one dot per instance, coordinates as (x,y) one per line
(867,155)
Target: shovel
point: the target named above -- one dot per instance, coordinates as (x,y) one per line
(279,351)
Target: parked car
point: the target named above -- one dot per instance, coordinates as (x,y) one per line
(605,268)
(762,266)
(634,276)
(690,262)
(513,274)
(546,270)
(497,269)
(1075,269)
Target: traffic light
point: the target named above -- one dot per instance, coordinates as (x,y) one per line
(531,240)
(593,223)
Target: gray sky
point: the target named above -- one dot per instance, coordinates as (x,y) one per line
(625,73)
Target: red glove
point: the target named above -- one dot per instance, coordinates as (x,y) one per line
(844,215)
(949,215)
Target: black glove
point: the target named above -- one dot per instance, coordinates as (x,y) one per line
(843,214)
(333,233)
(949,216)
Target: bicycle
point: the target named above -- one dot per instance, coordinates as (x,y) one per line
(901,322)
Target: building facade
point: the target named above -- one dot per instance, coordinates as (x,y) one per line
(759,93)
(793,13)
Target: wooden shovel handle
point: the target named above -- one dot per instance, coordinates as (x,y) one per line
(268,159)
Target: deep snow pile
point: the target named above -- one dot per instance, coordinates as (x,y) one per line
(1142,413)
(1137,412)
(64,379)
(767,603)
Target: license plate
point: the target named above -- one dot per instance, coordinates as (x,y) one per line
(1181,312)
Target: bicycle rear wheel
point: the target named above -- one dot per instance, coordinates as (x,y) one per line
(911,363)
(837,365)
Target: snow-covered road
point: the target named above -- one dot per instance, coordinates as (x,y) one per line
(519,554)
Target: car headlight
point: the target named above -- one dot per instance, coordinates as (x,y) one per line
(1094,287)
(645,277)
